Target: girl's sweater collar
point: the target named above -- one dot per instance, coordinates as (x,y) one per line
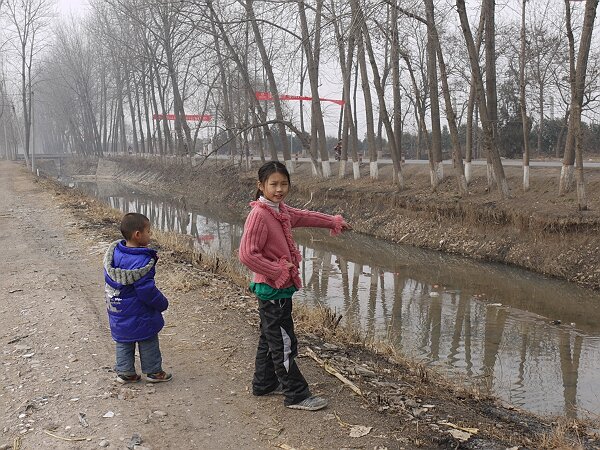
(267,202)
(281,215)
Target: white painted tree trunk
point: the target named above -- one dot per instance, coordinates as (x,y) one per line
(439,170)
(525,178)
(399,176)
(289,164)
(468,173)
(356,170)
(326,165)
(374,170)
(342,169)
(436,174)
(315,170)
(567,173)
(491,178)
(581,196)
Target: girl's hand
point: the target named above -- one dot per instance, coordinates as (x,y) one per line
(346,226)
(289,265)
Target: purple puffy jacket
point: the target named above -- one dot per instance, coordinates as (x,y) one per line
(133,302)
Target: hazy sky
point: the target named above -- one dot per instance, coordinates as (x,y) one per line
(74,7)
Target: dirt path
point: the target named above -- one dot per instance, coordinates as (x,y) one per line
(58,389)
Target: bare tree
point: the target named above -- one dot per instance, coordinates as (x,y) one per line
(28,19)
(522,101)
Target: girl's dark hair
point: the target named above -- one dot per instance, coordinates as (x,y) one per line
(269,169)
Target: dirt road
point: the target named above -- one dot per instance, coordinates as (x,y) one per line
(58,389)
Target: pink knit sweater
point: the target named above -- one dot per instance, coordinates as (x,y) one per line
(267,242)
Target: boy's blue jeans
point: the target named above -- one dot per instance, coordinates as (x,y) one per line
(150,357)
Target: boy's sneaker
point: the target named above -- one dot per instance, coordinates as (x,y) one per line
(124,379)
(310,404)
(158,377)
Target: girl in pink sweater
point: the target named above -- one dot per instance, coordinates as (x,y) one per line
(269,251)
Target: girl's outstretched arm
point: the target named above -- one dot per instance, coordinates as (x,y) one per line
(306,218)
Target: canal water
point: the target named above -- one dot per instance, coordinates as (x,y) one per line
(530,340)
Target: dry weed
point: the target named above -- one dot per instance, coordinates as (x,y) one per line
(561,436)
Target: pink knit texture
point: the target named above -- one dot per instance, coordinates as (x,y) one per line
(267,243)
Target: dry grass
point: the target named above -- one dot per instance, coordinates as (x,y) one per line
(565,434)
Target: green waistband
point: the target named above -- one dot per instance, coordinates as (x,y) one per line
(266,292)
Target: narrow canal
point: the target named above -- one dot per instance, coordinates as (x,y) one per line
(528,339)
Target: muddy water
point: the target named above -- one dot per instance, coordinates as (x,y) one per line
(532,341)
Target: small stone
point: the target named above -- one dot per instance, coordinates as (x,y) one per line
(109,415)
(159,413)
(135,441)
(104,443)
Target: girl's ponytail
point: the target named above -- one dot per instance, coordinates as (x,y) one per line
(258,194)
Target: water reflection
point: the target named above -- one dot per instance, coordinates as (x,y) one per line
(491,323)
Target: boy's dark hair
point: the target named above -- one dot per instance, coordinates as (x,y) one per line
(269,169)
(133,222)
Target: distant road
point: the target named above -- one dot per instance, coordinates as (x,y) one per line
(478,162)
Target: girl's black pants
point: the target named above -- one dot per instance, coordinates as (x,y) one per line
(277,352)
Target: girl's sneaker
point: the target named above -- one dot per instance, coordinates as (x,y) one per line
(310,404)
(158,377)
(124,379)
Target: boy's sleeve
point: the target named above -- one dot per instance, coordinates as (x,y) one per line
(148,293)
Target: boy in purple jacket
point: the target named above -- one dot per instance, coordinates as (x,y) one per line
(133,302)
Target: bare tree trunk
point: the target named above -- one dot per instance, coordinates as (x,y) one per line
(374,168)
(312,63)
(469,132)
(349,132)
(138,105)
(423,134)
(524,118)
(157,124)
(395,54)
(435,150)
(131,109)
(567,170)
(489,12)
(354,141)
